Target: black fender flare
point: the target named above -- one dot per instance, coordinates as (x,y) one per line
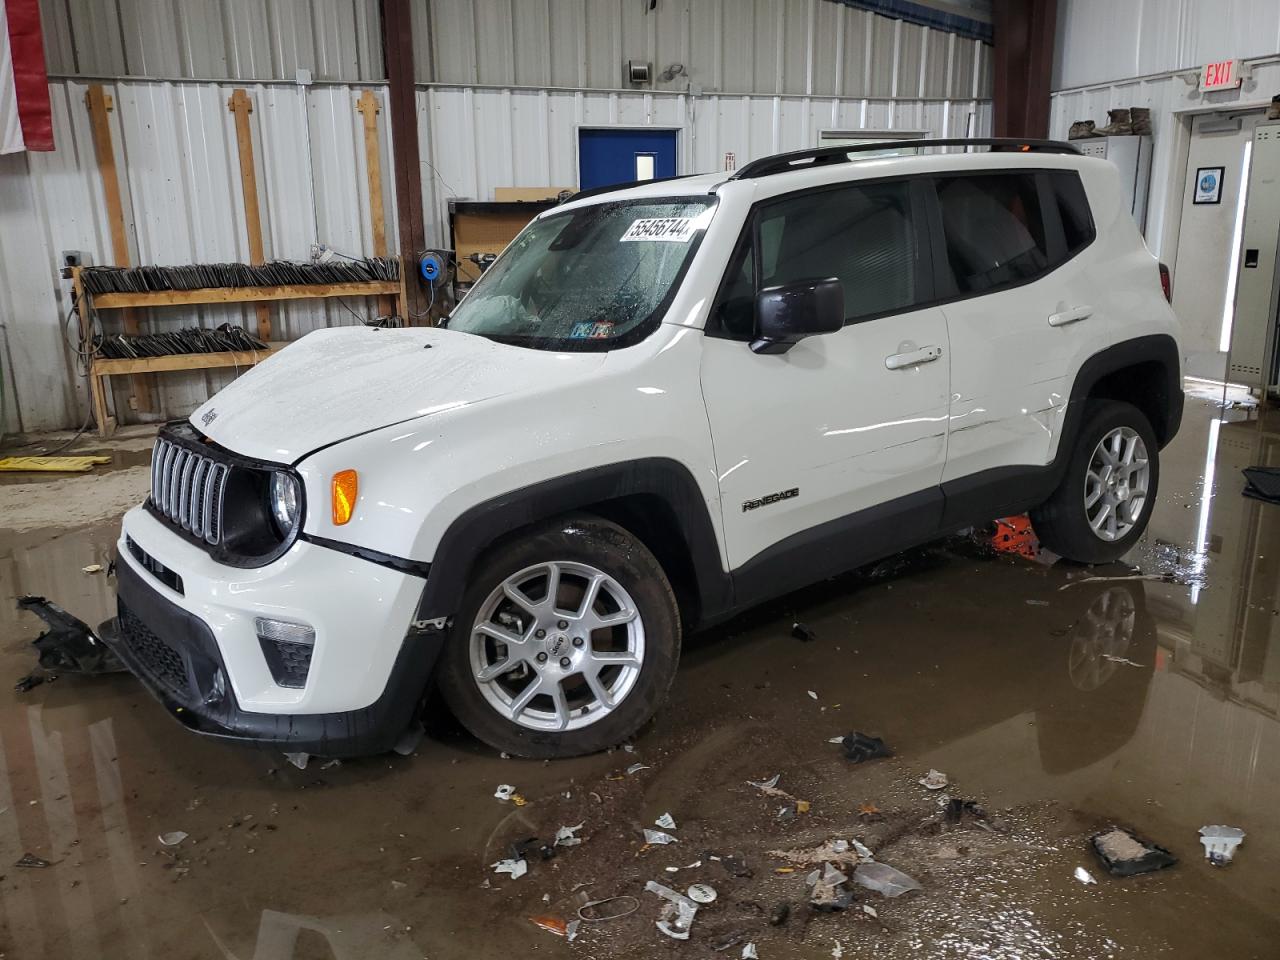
(474,530)
(1159,348)
(1004,491)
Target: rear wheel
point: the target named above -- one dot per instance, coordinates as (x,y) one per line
(1105,499)
(566,643)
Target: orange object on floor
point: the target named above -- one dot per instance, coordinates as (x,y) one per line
(1014,535)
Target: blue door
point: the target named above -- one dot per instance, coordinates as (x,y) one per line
(606,157)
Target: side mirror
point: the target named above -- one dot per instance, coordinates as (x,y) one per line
(786,315)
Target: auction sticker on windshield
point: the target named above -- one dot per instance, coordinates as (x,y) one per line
(675,229)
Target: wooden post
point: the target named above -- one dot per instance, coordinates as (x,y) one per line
(397,49)
(369,108)
(242,106)
(100,104)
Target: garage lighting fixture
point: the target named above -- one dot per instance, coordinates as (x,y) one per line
(1237,235)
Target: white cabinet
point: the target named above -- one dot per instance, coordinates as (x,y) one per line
(1132,155)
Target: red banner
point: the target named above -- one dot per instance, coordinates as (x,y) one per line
(26,47)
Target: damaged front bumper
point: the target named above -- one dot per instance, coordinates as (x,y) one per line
(186,642)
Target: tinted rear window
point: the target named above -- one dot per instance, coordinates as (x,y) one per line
(1073,208)
(994,230)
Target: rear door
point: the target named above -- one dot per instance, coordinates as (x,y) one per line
(847,424)
(1020,314)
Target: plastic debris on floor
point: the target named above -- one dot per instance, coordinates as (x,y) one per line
(1220,843)
(884,879)
(68,645)
(516,868)
(568,836)
(658,837)
(934,780)
(50,464)
(1262,483)
(676,919)
(858,747)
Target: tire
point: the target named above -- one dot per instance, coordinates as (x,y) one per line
(1063,524)
(497,635)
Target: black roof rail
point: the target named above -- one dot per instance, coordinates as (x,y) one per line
(824,156)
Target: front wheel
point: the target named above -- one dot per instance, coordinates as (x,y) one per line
(566,643)
(1104,501)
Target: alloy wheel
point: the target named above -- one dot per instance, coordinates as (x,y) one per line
(557,646)
(1115,486)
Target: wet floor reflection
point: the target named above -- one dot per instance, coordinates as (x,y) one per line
(1148,702)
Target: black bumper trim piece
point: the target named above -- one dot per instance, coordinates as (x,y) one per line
(418,568)
(373,729)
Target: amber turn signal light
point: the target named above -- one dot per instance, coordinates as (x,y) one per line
(346,485)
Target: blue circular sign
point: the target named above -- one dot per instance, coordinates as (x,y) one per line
(1208,182)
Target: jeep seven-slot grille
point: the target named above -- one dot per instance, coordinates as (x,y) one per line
(187,487)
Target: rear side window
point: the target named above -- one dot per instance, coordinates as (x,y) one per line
(995,234)
(862,235)
(1073,209)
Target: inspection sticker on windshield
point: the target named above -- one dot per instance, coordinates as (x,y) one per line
(671,229)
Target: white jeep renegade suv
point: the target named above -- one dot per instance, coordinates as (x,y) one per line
(661,405)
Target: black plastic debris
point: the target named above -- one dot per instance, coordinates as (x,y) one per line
(28,682)
(31,860)
(957,809)
(68,644)
(803,632)
(859,747)
(532,848)
(1126,854)
(736,866)
(1262,483)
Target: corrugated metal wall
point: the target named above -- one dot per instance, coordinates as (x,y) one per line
(1136,54)
(1167,96)
(176,149)
(814,47)
(1105,40)
(213,39)
(476,139)
(791,69)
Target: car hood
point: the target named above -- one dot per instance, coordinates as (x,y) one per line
(338,383)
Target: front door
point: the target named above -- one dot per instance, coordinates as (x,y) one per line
(830,453)
(621,155)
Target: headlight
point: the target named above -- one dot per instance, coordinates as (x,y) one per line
(284,501)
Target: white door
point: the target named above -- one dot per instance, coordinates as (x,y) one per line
(842,422)
(1212,216)
(1025,316)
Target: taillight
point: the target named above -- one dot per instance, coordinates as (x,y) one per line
(1166,283)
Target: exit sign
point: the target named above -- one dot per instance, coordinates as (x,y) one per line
(1223,75)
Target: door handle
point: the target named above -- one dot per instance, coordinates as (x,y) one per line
(1074,315)
(913,358)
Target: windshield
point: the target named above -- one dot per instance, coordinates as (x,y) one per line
(594,278)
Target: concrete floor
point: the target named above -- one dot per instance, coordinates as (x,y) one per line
(993,669)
